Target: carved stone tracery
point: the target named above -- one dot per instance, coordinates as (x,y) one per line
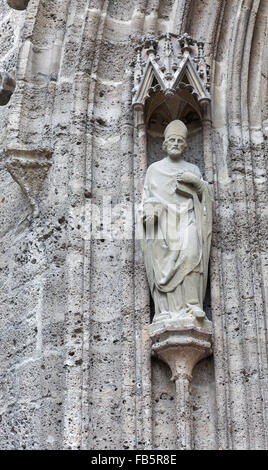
(168,66)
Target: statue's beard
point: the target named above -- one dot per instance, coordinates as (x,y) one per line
(175,153)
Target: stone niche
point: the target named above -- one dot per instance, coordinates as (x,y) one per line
(172,82)
(176,85)
(159,112)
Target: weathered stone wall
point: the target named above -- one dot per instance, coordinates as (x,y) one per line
(75,364)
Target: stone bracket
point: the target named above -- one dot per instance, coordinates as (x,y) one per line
(182,347)
(18,4)
(29,169)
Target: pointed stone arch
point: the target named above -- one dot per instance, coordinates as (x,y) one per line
(168,67)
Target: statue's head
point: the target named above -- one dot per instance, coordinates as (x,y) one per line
(175,139)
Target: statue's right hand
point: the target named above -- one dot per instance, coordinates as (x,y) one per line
(151,212)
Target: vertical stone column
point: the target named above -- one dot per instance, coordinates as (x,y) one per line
(184,415)
(207,143)
(142,301)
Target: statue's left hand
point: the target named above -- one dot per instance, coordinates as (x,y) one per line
(188,178)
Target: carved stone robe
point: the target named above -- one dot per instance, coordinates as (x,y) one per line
(178,243)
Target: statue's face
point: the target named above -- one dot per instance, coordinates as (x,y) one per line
(175,146)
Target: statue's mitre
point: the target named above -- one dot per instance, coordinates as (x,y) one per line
(176,128)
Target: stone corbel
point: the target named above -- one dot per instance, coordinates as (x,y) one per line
(18,4)
(29,169)
(182,347)
(7,87)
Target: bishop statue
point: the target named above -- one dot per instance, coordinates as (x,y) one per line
(177,223)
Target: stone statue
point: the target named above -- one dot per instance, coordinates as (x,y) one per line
(177,223)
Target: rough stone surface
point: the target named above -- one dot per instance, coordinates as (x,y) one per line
(75,356)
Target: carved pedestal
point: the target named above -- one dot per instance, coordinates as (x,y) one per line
(182,347)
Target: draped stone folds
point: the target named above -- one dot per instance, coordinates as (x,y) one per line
(75,356)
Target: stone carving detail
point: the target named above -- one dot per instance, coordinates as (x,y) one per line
(182,348)
(7,87)
(171,63)
(18,4)
(29,169)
